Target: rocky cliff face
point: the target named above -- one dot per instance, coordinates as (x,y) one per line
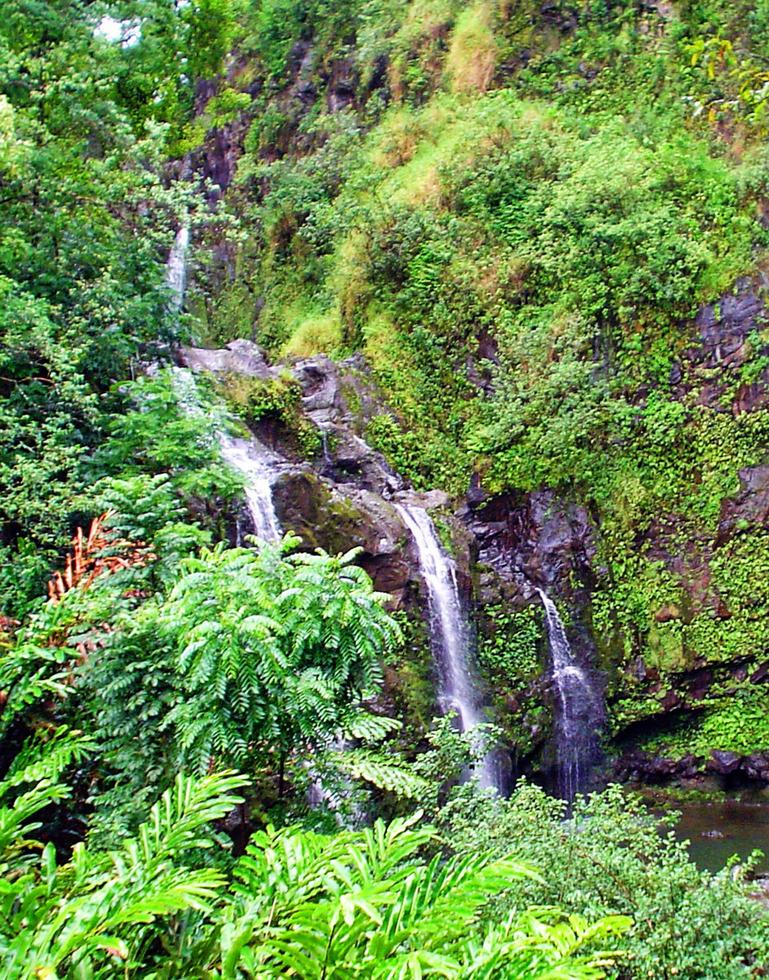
(539,314)
(704,653)
(343,496)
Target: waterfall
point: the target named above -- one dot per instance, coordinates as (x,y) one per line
(449,632)
(176,267)
(249,457)
(579,709)
(256,465)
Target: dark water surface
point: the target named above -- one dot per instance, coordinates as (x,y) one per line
(743,827)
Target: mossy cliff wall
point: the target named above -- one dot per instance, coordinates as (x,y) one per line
(544,226)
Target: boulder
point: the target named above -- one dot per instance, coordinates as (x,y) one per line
(643,767)
(723,763)
(323,517)
(340,399)
(237,357)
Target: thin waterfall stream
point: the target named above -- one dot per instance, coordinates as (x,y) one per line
(257,466)
(449,633)
(255,463)
(578,709)
(176,267)
(248,456)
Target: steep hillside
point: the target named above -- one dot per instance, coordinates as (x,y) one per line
(384,468)
(544,227)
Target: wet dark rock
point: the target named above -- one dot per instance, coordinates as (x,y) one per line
(342,85)
(723,763)
(378,74)
(214,163)
(342,506)
(478,366)
(223,149)
(300,58)
(325,518)
(537,538)
(724,326)
(671,700)
(301,66)
(642,767)
(340,399)
(564,18)
(740,769)
(722,343)
(699,683)
(756,767)
(321,389)
(205,90)
(306,93)
(749,507)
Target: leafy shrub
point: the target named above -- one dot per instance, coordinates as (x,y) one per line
(270,651)
(278,909)
(277,399)
(610,857)
(509,650)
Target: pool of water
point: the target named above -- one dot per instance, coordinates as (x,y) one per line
(716,831)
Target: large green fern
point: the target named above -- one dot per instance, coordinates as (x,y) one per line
(368,905)
(273,650)
(84,917)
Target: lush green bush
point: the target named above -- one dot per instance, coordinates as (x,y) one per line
(610,857)
(514,218)
(84,221)
(171,900)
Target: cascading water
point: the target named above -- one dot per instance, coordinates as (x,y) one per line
(579,709)
(176,267)
(256,465)
(249,457)
(449,633)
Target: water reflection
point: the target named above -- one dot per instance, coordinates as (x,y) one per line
(717,830)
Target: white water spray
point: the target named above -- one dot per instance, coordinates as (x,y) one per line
(176,267)
(578,710)
(253,461)
(448,632)
(249,457)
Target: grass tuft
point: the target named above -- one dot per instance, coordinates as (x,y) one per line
(472,56)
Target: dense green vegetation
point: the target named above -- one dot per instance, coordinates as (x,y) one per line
(519,241)
(514,212)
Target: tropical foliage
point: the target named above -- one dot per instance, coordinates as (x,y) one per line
(296,903)
(544,228)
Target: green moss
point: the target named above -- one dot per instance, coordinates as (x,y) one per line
(666,647)
(738,722)
(278,398)
(509,650)
(472,56)
(314,335)
(411,678)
